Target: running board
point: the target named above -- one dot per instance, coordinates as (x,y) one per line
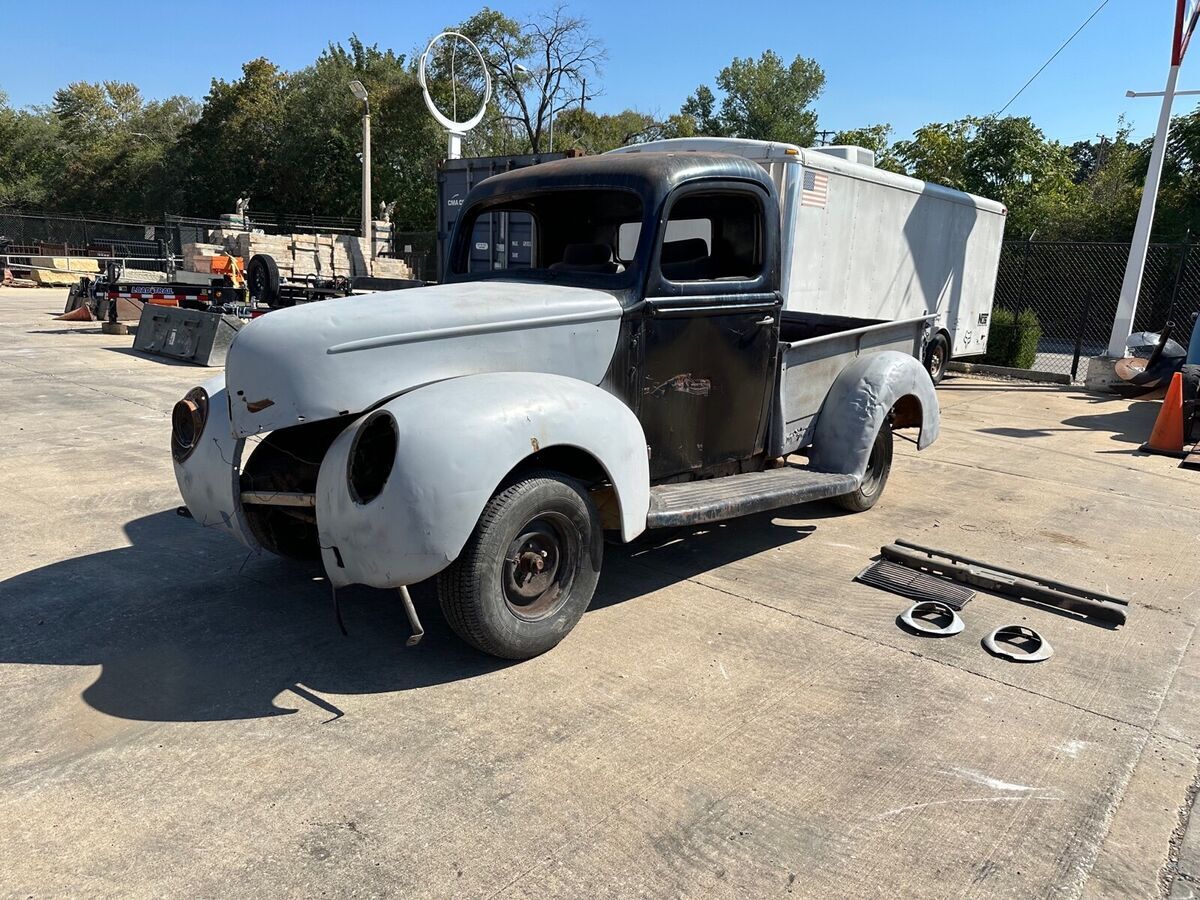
(713,499)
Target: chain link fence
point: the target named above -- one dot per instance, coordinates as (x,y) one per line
(1058,300)
(57,235)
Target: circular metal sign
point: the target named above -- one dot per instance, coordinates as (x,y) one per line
(442,119)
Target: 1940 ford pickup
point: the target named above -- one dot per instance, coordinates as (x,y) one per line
(489,431)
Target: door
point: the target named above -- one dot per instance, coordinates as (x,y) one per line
(710,331)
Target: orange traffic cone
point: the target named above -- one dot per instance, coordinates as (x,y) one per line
(1166,437)
(78,314)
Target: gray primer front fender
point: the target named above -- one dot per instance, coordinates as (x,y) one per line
(209,478)
(858,403)
(457,439)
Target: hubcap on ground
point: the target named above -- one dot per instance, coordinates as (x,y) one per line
(539,566)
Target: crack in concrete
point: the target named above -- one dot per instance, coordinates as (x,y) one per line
(88,387)
(1170,870)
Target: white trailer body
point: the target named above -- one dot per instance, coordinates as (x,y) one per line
(863,242)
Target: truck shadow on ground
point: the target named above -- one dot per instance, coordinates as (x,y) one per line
(187,627)
(1129,422)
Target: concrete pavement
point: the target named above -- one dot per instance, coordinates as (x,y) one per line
(734,717)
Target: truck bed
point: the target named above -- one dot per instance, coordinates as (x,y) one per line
(813,350)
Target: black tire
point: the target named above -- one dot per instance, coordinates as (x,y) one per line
(493,595)
(879,466)
(937,354)
(262,277)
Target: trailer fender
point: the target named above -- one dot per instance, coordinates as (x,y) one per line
(858,403)
(452,444)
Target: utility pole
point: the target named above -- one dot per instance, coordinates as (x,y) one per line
(368,222)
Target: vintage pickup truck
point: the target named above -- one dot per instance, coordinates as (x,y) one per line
(490,431)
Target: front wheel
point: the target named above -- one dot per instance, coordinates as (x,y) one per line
(874,480)
(528,571)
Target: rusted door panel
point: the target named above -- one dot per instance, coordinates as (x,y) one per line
(707,365)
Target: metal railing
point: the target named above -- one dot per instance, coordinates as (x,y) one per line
(46,234)
(19,263)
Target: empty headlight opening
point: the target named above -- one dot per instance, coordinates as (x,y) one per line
(371,457)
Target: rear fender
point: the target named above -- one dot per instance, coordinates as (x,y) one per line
(858,403)
(456,441)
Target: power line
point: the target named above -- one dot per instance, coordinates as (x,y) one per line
(1052,58)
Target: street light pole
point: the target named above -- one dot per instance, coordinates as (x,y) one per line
(368,228)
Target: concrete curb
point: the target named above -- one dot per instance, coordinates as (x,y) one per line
(1006,372)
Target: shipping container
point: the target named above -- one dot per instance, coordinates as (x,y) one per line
(500,241)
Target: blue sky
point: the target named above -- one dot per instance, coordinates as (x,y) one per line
(906,63)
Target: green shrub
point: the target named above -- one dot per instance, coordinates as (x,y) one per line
(1013,338)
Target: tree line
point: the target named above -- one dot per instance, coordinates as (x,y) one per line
(291,139)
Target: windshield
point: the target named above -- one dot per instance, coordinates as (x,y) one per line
(553,235)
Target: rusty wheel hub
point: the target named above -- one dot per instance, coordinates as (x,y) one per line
(538,567)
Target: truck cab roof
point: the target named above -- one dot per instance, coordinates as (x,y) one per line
(650,174)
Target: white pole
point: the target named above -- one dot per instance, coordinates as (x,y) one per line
(368,227)
(454,144)
(1134,270)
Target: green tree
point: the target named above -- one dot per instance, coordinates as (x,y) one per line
(764,99)
(315,161)
(539,68)
(110,148)
(598,133)
(1179,193)
(232,147)
(1009,160)
(876,138)
(27,143)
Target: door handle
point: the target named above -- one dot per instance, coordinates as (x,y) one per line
(766,320)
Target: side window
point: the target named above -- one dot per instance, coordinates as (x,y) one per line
(713,237)
(677,230)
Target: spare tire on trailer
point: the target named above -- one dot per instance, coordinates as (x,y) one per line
(262,277)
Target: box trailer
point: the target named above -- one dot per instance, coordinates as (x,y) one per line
(870,244)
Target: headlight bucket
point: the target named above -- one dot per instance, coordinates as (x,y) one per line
(372,456)
(188,418)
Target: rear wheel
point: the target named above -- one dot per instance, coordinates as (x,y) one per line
(874,480)
(937,354)
(528,571)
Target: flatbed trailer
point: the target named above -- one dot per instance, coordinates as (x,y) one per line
(266,286)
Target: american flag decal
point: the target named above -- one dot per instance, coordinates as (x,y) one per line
(815,190)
